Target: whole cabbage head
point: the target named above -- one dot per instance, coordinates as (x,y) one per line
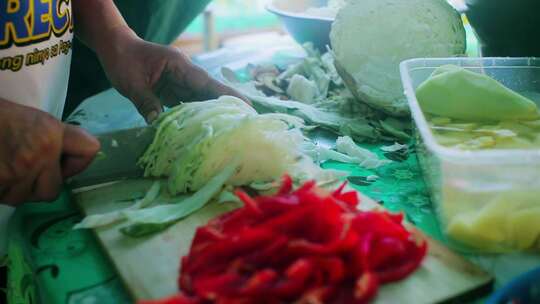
(371,37)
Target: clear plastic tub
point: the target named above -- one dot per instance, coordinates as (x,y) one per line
(486,200)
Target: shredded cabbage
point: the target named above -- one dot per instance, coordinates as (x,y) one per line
(394,147)
(302,89)
(99,220)
(194,141)
(347,152)
(150,220)
(363,157)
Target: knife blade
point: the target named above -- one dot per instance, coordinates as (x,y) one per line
(117,160)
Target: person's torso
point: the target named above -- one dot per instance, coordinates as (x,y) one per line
(35,52)
(506,28)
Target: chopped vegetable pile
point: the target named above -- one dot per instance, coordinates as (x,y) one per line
(201,148)
(302,246)
(313,90)
(195,141)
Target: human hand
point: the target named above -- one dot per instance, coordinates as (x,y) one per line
(37,153)
(151,75)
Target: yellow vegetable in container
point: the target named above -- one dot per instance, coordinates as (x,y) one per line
(491,210)
(509,221)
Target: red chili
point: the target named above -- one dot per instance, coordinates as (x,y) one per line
(301,246)
(176,299)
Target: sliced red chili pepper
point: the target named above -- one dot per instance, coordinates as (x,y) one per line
(379,223)
(397,218)
(220,252)
(386,251)
(286,185)
(211,287)
(348,237)
(234,300)
(365,288)
(260,283)
(296,276)
(184,280)
(249,203)
(239,265)
(175,299)
(302,246)
(350,198)
(206,235)
(317,295)
(289,222)
(339,190)
(306,188)
(366,245)
(272,206)
(299,270)
(270,254)
(406,268)
(305,247)
(337,246)
(334,269)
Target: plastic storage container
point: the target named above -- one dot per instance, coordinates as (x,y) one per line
(486,200)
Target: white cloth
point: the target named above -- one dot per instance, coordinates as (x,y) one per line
(35,58)
(35,54)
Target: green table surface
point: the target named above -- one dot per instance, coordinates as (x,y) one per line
(51,263)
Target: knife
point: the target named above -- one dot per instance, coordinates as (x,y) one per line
(117,159)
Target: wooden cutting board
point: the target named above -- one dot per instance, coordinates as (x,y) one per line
(149,266)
